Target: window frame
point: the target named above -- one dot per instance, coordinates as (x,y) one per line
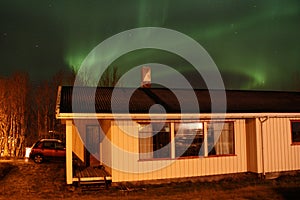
(233,137)
(153,151)
(186,151)
(291,125)
(204,144)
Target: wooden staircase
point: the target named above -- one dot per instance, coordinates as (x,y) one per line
(92,175)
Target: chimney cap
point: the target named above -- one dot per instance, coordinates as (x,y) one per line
(146,77)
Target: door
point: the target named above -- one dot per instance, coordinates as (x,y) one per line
(92,151)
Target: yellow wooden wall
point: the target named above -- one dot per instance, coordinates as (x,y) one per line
(120,151)
(77,144)
(279,153)
(126,165)
(253,144)
(105,148)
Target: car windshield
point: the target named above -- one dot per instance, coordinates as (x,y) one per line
(33,145)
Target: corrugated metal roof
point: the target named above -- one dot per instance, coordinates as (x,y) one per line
(140,100)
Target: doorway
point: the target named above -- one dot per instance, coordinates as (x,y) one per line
(92,147)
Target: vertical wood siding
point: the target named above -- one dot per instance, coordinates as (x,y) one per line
(105,150)
(252,145)
(77,144)
(279,153)
(125,139)
(120,151)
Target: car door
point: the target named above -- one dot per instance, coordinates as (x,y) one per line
(60,150)
(48,148)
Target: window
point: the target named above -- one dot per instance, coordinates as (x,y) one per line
(154,140)
(189,138)
(220,138)
(48,145)
(295,131)
(59,145)
(186,139)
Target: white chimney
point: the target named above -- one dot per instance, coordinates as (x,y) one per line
(146,77)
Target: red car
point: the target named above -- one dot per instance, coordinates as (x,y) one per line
(47,149)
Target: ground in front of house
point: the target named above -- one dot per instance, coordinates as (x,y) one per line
(27,180)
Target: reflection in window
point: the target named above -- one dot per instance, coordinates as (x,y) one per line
(188,139)
(220,138)
(154,140)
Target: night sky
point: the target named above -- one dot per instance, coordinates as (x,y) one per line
(255,44)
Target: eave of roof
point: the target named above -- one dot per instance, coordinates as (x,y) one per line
(240,104)
(178,116)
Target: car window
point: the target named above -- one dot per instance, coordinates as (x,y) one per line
(59,145)
(39,145)
(48,145)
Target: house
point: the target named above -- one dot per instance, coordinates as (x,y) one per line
(260,132)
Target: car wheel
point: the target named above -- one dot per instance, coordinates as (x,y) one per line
(38,158)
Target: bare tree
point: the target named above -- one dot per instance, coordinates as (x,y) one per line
(19,113)
(3,118)
(45,98)
(110,77)
(28,113)
(14,93)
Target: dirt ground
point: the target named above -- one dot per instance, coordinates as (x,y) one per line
(27,180)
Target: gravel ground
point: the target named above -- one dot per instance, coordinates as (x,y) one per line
(27,180)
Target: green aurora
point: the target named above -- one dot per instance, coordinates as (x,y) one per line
(254,43)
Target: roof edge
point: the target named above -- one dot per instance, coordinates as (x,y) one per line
(177,116)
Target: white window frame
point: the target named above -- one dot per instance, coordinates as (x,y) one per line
(205,140)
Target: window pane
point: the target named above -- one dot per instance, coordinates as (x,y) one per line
(188,139)
(154,140)
(93,139)
(48,145)
(220,139)
(59,145)
(295,131)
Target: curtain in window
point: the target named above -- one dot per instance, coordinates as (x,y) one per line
(154,140)
(224,144)
(223,138)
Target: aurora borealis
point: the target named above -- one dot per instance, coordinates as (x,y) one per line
(254,43)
